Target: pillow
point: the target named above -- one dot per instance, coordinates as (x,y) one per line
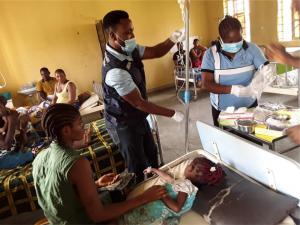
(177,170)
(192,218)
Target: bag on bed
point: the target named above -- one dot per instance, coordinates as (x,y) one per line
(83,97)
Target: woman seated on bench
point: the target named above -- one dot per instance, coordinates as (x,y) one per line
(63,179)
(65,90)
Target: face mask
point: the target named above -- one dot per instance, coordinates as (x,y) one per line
(130,45)
(231,47)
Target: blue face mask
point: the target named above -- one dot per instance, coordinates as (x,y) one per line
(231,47)
(130,45)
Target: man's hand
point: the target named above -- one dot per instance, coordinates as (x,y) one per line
(87,135)
(43,96)
(163,48)
(135,99)
(277,53)
(107,179)
(148,170)
(177,36)
(294,134)
(178,116)
(154,193)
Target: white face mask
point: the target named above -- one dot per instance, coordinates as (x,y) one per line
(232,47)
(130,45)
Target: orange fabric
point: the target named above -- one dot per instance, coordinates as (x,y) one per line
(46,86)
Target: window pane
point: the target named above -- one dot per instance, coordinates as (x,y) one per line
(284,20)
(240,10)
(296,22)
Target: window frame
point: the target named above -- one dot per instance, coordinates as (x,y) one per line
(294,26)
(245,13)
(287,26)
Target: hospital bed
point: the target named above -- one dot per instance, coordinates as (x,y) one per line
(287,83)
(272,176)
(152,120)
(179,75)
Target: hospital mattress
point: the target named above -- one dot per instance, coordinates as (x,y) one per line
(17,192)
(237,200)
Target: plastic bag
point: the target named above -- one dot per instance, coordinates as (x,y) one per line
(263,77)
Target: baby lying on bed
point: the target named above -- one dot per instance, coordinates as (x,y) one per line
(181,193)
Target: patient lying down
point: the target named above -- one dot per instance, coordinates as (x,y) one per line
(180,193)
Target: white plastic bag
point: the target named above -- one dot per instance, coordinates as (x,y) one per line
(263,77)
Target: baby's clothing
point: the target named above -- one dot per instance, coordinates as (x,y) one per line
(157,212)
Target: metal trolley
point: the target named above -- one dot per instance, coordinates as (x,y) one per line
(179,75)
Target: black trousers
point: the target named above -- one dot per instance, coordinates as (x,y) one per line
(138,148)
(216,113)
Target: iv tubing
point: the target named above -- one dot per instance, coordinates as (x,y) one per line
(187,73)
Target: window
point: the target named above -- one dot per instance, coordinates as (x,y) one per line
(287,21)
(240,10)
(295,26)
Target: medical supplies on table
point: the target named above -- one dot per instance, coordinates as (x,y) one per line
(270,123)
